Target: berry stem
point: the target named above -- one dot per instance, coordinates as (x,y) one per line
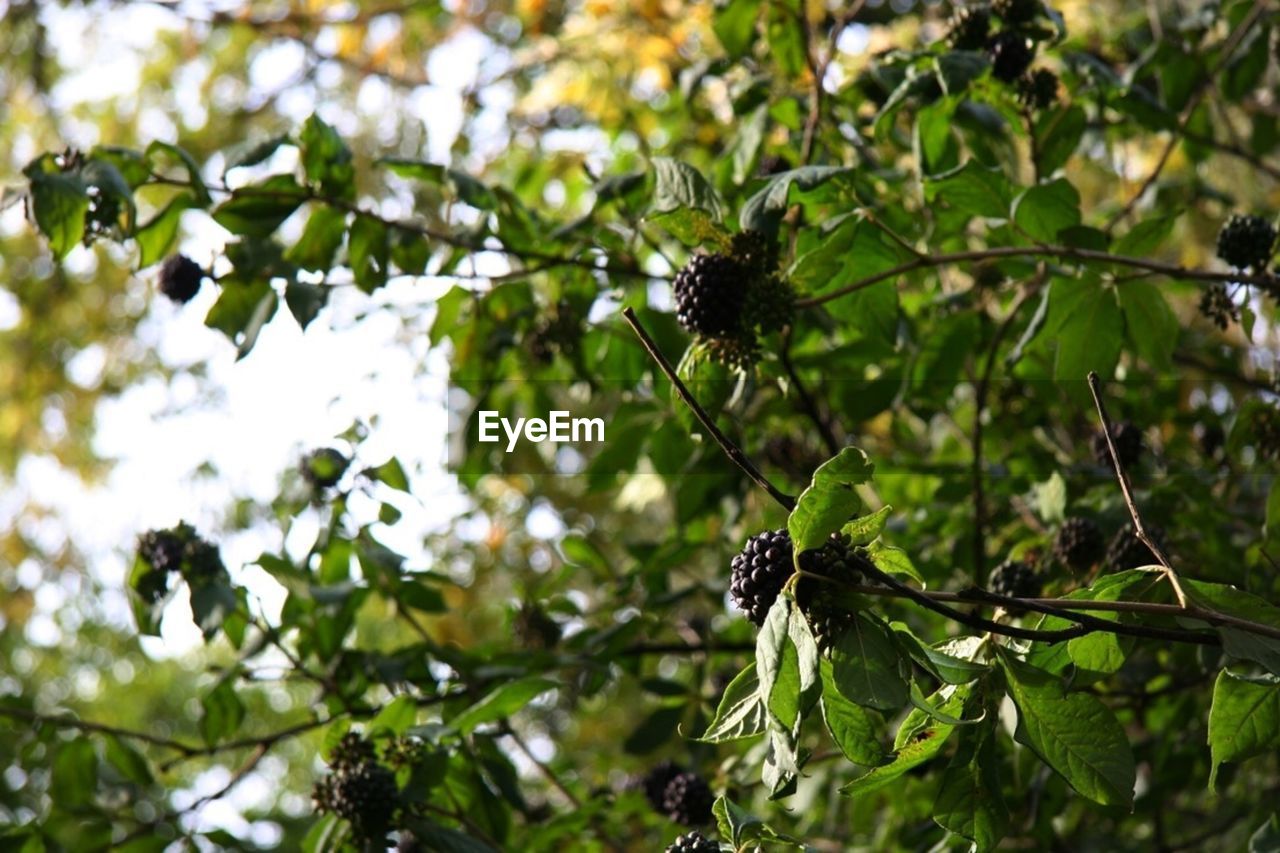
(730,449)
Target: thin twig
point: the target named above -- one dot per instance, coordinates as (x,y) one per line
(1174,271)
(1126,489)
(807,403)
(546,771)
(730,449)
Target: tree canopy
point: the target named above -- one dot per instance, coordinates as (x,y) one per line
(932,353)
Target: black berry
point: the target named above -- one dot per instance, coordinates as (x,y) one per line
(163,549)
(1016,11)
(1011,55)
(654,783)
(759,572)
(1014,578)
(1127,551)
(323,468)
(1039,89)
(687,799)
(534,629)
(841,562)
(773,164)
(1079,543)
(180,278)
(693,842)
(1128,442)
(1246,241)
(710,293)
(968,28)
(364,794)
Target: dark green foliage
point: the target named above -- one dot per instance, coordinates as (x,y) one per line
(1246,242)
(759,572)
(1128,441)
(693,842)
(1016,579)
(687,799)
(1011,55)
(534,629)
(180,278)
(323,468)
(710,294)
(968,28)
(1266,431)
(1079,543)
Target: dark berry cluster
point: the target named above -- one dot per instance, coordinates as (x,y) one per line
(1127,551)
(968,28)
(710,293)
(1127,439)
(1247,241)
(323,468)
(773,164)
(177,550)
(1079,543)
(682,795)
(1038,89)
(1016,579)
(358,789)
(759,572)
(1011,53)
(180,278)
(687,799)
(841,562)
(1217,305)
(693,842)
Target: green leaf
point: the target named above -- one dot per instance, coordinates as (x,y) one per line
(1151,324)
(653,731)
(946,666)
(742,712)
(1244,719)
(971,188)
(921,744)
(1074,733)
(735,26)
(894,561)
(305,301)
(158,235)
(161,156)
(764,210)
(396,717)
(772,643)
(1089,325)
(865,666)
(866,529)
(131,763)
(223,712)
(320,240)
(369,249)
(211,604)
(1059,133)
(1248,63)
(691,226)
(390,473)
(1046,209)
(75,773)
(501,702)
(679,185)
(326,159)
(241,310)
(1143,239)
(1051,498)
(826,506)
(746,145)
(1237,642)
(855,730)
(59,203)
(257,210)
(969,801)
